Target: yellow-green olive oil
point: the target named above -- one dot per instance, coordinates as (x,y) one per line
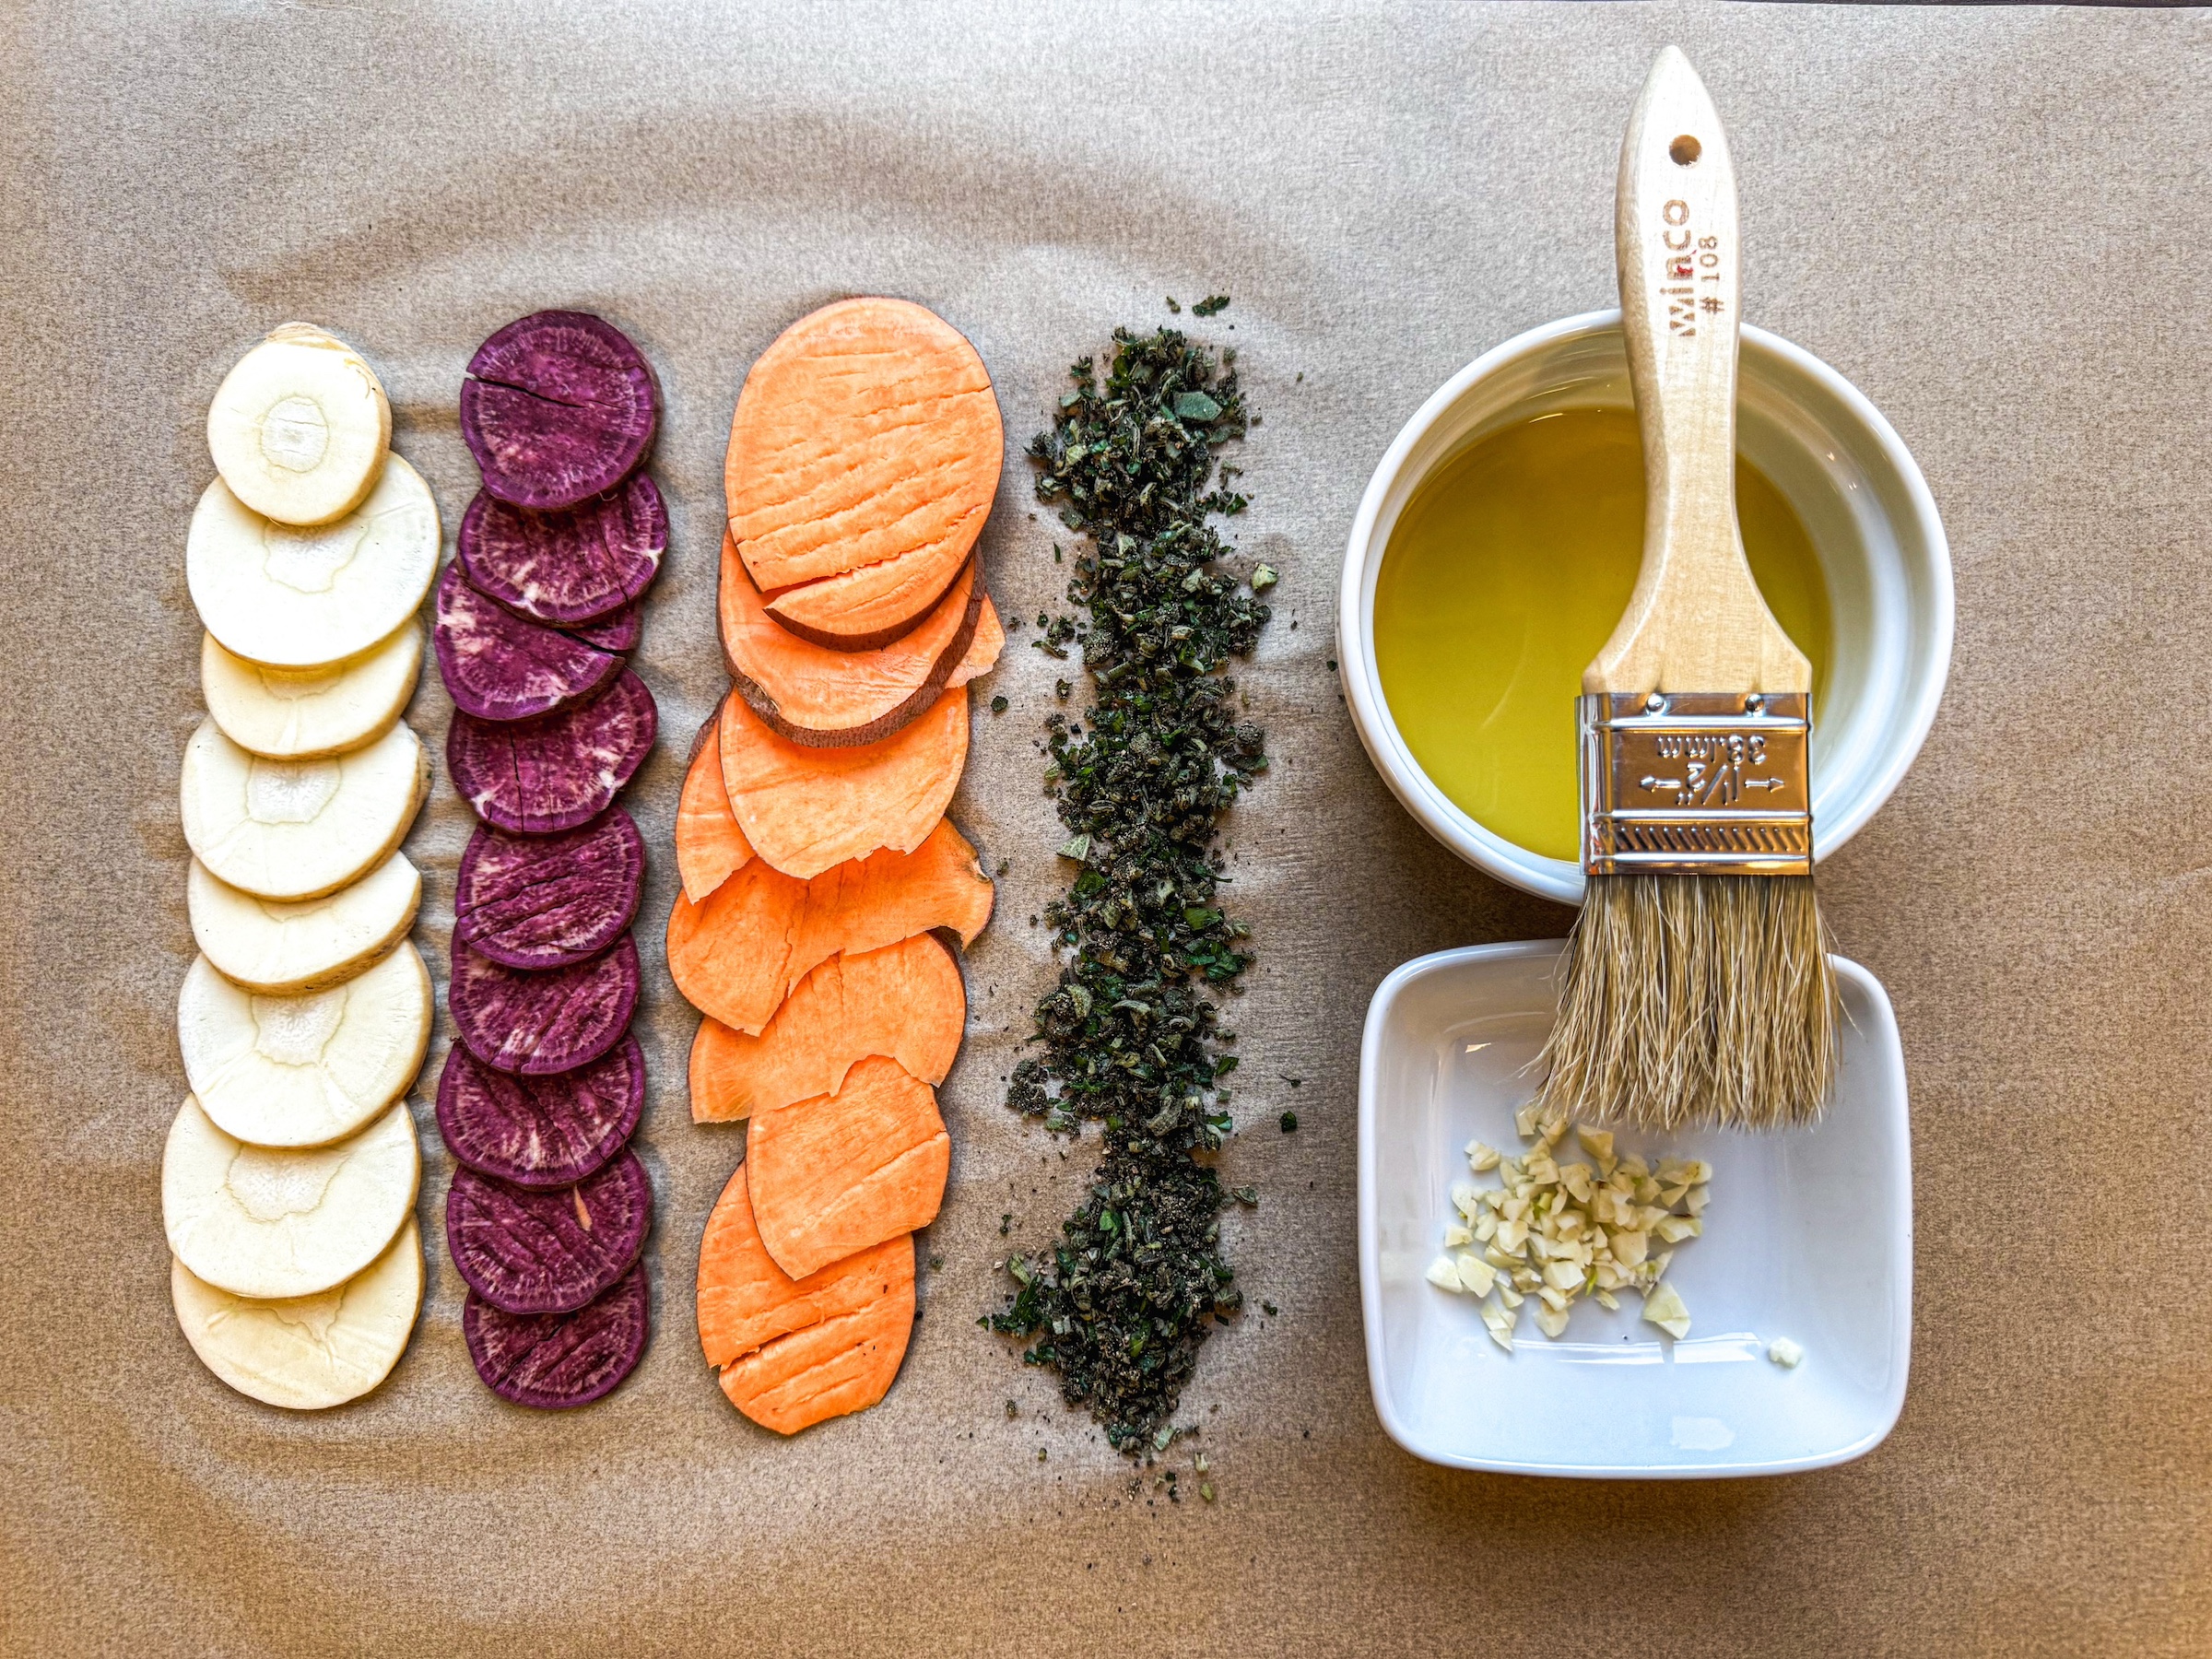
(1504,576)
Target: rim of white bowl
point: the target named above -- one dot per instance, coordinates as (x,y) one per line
(1562,879)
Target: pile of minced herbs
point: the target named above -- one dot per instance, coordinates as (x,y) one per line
(1130,1036)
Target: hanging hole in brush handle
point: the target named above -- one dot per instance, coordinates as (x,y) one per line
(1697,621)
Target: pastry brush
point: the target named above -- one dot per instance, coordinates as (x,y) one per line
(1696,988)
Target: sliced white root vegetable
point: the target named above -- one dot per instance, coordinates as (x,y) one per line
(304,597)
(298,828)
(301,714)
(281,947)
(307,1353)
(304,1071)
(264,1222)
(300,426)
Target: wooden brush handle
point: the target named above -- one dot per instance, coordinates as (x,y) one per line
(1697,621)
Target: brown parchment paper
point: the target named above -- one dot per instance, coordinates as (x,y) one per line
(1994,223)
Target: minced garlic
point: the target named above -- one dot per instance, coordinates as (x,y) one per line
(1552,1232)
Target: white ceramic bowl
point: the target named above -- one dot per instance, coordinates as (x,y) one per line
(1808,1236)
(1874,529)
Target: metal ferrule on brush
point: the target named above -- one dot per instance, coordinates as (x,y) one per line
(1696,783)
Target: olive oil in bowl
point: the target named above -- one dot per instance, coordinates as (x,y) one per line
(1502,578)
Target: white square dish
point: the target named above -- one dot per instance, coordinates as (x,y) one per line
(1808,1237)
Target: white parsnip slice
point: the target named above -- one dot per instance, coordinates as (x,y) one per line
(307,1353)
(300,426)
(281,946)
(265,1221)
(302,714)
(298,828)
(297,597)
(306,1070)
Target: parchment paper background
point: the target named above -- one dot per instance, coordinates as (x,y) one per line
(1996,222)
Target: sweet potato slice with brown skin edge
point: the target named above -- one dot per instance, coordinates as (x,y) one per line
(709,845)
(866,434)
(872,606)
(746,1300)
(840,1366)
(805,810)
(905,1000)
(736,955)
(821,698)
(837,1173)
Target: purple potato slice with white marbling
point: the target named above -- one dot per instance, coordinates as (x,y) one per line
(542,1023)
(618,630)
(541,776)
(552,1361)
(559,407)
(549,1252)
(540,901)
(566,568)
(540,1131)
(496,666)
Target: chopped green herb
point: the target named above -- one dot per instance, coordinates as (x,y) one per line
(1289,1123)
(998,704)
(1122,1304)
(1210,305)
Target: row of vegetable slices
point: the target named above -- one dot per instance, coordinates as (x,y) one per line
(817,864)
(289,1175)
(537,615)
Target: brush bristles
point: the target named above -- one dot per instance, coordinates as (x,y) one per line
(1695,1000)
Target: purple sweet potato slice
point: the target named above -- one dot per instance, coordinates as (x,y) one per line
(540,1131)
(548,1251)
(498,667)
(538,1024)
(552,1361)
(559,407)
(616,631)
(565,568)
(538,901)
(539,777)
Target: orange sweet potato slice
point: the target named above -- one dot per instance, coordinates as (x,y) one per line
(747,1301)
(833,1175)
(708,844)
(821,698)
(793,1352)
(736,954)
(905,1000)
(807,809)
(873,606)
(863,459)
(841,1365)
